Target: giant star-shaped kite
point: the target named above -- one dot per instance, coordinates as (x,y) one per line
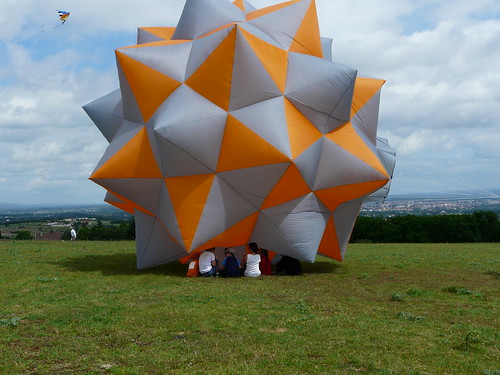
(236,126)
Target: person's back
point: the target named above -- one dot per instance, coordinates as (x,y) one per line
(232,267)
(265,264)
(252,265)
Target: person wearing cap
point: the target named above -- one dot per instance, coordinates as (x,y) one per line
(230,265)
(207,263)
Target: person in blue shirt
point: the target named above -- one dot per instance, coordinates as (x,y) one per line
(231,266)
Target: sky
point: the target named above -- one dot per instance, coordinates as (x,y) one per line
(440,106)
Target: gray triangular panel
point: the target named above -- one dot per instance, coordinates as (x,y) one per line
(106,113)
(282,24)
(248,7)
(366,119)
(177,162)
(201,16)
(185,126)
(144,37)
(251,83)
(302,221)
(223,209)
(203,47)
(170,60)
(124,134)
(339,167)
(268,236)
(145,192)
(268,120)
(131,109)
(110,198)
(254,30)
(254,184)
(322,90)
(166,214)
(326,46)
(307,162)
(344,218)
(153,244)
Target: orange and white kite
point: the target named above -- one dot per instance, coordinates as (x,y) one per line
(236,126)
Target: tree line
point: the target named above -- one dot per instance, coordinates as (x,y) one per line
(122,231)
(480,226)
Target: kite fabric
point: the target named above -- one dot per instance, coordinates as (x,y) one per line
(63,16)
(236,126)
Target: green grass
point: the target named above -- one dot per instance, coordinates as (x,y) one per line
(83,308)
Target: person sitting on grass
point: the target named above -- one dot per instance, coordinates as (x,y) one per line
(208,263)
(265,264)
(230,266)
(251,261)
(288,266)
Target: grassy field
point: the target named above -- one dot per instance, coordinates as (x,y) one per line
(83,308)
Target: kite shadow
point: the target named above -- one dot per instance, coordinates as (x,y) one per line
(118,264)
(321,266)
(125,264)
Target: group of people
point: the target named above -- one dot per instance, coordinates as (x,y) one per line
(255,263)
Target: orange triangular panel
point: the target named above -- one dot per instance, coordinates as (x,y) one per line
(161,32)
(237,235)
(270,9)
(329,245)
(335,196)
(158,43)
(290,186)
(307,40)
(364,89)
(274,59)
(134,160)
(239,4)
(188,195)
(213,77)
(127,205)
(302,133)
(347,138)
(150,87)
(243,148)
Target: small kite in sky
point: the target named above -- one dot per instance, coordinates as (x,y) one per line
(63,17)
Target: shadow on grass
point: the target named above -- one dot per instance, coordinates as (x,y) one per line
(321,266)
(118,264)
(125,264)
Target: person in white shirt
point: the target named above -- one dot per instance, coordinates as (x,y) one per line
(73,234)
(251,261)
(208,263)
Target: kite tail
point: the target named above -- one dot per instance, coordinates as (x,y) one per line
(50,28)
